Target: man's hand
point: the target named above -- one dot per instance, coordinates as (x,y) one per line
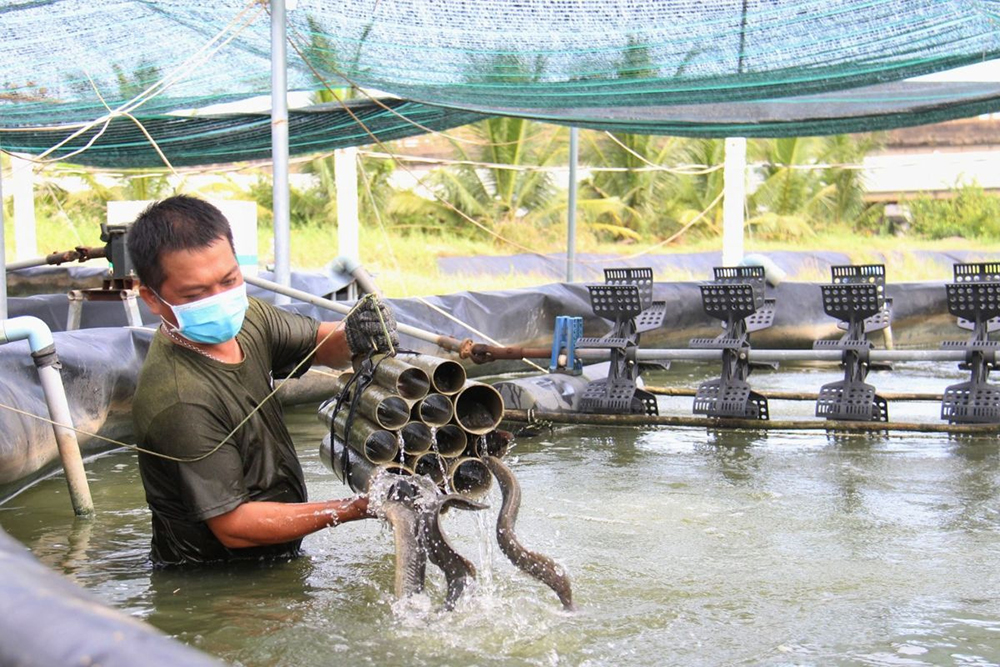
(371,327)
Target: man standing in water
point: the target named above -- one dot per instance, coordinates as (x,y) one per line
(219,468)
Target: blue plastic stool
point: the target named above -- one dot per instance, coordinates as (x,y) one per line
(568,330)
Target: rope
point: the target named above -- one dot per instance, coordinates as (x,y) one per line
(361,90)
(378,215)
(698,170)
(665,241)
(142,128)
(157,88)
(702,169)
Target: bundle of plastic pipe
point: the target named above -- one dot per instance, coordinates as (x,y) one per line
(419,415)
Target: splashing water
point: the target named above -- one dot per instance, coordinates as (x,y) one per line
(735,548)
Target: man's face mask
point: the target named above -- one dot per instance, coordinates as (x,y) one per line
(211,320)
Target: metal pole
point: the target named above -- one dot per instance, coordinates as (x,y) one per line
(3,250)
(734,179)
(279,149)
(574,150)
(446,342)
(769,356)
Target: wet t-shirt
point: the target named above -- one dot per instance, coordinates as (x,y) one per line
(190,407)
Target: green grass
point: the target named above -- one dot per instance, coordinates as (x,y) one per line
(405,263)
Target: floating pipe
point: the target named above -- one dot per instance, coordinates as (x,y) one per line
(478,408)
(417,437)
(447,376)
(481,353)
(43,351)
(405,380)
(445,342)
(375,444)
(79,254)
(433,410)
(380,405)
(451,440)
(430,464)
(469,477)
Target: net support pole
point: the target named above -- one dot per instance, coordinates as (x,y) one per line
(574,152)
(345,166)
(23,190)
(734,178)
(3,252)
(279,150)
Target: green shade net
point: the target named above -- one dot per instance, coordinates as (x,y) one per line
(187,141)
(693,67)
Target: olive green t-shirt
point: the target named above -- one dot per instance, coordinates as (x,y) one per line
(186,404)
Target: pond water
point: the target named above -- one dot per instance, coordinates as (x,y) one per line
(685,547)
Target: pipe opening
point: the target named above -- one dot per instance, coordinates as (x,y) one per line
(392,413)
(449,377)
(434,410)
(478,408)
(381,447)
(416,437)
(470,477)
(451,440)
(429,464)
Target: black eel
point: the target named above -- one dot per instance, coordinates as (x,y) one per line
(534,564)
(411,558)
(458,571)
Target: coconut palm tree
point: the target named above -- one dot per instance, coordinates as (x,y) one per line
(799,194)
(642,192)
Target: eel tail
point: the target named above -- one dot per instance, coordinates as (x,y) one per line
(539,566)
(458,571)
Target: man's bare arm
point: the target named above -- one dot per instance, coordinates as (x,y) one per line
(255,524)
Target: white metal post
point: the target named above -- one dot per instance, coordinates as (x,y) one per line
(3,250)
(734,200)
(23,189)
(345,164)
(574,152)
(279,150)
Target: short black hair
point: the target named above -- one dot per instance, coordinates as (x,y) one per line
(181,222)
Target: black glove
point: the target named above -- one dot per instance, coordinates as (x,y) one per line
(371,327)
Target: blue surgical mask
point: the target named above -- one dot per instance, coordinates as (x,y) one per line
(214,319)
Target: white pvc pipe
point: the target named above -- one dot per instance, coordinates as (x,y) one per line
(345,167)
(353,267)
(733,203)
(40,340)
(31,328)
(279,149)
